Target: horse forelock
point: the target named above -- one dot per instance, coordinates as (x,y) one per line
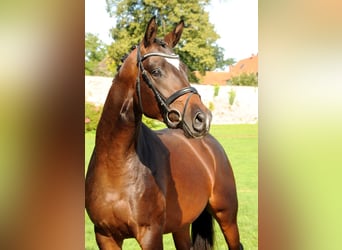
(164,44)
(160,42)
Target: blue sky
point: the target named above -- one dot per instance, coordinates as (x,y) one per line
(236,21)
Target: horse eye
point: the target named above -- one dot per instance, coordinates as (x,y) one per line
(156,72)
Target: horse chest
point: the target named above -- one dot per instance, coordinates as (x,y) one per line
(121,200)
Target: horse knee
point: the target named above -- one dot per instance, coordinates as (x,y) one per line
(107,242)
(150,238)
(182,239)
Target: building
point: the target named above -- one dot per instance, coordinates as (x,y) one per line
(248,65)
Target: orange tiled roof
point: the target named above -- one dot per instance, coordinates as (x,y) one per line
(248,65)
(213,78)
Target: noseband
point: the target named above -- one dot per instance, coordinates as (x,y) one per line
(164,103)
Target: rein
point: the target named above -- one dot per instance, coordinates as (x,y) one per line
(164,103)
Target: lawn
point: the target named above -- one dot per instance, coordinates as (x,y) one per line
(241,145)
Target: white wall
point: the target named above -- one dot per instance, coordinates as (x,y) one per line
(243,110)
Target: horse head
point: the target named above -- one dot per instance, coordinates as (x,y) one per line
(162,86)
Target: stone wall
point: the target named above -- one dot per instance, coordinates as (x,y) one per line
(244,109)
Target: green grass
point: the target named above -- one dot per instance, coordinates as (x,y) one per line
(241,145)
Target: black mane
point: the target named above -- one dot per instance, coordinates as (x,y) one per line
(123,58)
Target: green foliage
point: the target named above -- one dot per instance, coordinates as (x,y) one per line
(92,116)
(192,77)
(198,48)
(216,90)
(211,106)
(245,80)
(232,95)
(95,56)
(221,63)
(152,123)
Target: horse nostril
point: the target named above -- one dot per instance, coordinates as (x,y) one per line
(199,122)
(200,118)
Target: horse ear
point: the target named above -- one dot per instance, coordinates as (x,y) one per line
(173,37)
(151,32)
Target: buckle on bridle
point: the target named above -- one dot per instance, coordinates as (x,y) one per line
(173,118)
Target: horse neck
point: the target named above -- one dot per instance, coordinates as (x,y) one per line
(117,131)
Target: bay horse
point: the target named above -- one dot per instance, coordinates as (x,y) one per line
(142,183)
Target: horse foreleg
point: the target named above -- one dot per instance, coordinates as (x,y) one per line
(182,238)
(150,238)
(107,242)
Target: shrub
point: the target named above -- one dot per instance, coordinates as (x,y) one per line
(211,106)
(92,116)
(216,90)
(232,95)
(153,124)
(245,80)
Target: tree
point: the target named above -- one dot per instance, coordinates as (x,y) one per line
(95,56)
(197,48)
(221,62)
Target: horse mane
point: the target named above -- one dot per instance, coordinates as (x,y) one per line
(123,58)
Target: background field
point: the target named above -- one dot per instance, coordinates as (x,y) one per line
(241,145)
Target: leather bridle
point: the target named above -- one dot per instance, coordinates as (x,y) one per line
(164,103)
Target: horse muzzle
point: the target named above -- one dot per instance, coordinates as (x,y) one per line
(198,126)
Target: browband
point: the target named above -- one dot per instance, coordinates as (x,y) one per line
(173,56)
